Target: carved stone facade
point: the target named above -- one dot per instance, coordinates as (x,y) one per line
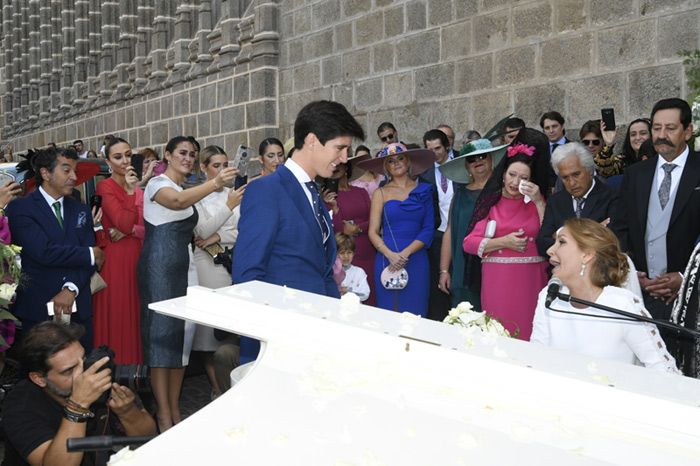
(236,71)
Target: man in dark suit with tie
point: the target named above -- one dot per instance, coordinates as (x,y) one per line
(56,234)
(660,207)
(285,234)
(443,190)
(583,196)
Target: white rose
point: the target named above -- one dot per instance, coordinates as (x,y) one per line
(6,292)
(465,306)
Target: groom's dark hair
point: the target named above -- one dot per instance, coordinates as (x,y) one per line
(327,120)
(48,158)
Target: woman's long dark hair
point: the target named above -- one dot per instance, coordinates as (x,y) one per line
(630,156)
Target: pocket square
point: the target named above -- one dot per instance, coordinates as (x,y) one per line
(82,220)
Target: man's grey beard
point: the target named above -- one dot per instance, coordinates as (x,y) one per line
(54,390)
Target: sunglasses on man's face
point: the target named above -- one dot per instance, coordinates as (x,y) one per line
(388,137)
(591,142)
(476,158)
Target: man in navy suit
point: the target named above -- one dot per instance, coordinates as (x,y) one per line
(56,234)
(285,234)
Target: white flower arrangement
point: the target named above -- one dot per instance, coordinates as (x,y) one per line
(465,316)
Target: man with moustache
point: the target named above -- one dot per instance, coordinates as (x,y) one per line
(660,222)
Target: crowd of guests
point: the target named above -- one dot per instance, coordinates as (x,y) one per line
(410,227)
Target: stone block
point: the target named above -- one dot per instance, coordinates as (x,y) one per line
(587,96)
(612,11)
(466,8)
(398,89)
(383,57)
(181,104)
(302,21)
(233,119)
(234,140)
(532,102)
(649,85)
(394,21)
(224,93)
(261,113)
(331,70)
(354,7)
(489,108)
(491,31)
(259,134)
(434,81)
(569,15)
(241,88)
(307,76)
(456,40)
(120,116)
(296,51)
(343,36)
(203,125)
(166,107)
(194,100)
(368,94)
(215,122)
(415,15)
(317,45)
(159,133)
(515,65)
(356,64)
(566,56)
(455,113)
(412,120)
(343,93)
(382,3)
(213,141)
(533,20)
(474,74)
(439,12)
(189,124)
(129,117)
(678,32)
(649,7)
(287,26)
(626,45)
(152,111)
(488,5)
(369,28)
(324,13)
(207,98)
(143,137)
(175,128)
(263,83)
(419,49)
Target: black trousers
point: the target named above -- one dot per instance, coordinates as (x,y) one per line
(438,303)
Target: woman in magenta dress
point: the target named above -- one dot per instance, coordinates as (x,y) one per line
(512,270)
(351,206)
(117,316)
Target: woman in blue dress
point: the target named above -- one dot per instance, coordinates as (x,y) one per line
(401,226)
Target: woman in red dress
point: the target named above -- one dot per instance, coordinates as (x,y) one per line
(116,314)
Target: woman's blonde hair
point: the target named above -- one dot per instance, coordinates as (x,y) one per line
(610,265)
(208,152)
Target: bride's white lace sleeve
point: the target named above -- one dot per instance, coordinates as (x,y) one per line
(646,343)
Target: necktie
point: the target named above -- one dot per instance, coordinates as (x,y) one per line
(443,182)
(57,210)
(316,199)
(579,205)
(554,146)
(665,188)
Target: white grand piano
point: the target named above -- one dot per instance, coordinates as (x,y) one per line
(340,384)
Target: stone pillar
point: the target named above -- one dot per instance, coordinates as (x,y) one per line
(7,48)
(82,52)
(228,45)
(56,58)
(110,35)
(16,78)
(24,95)
(179,54)
(68,52)
(162,34)
(95,40)
(144,31)
(46,60)
(127,47)
(265,41)
(34,61)
(199,48)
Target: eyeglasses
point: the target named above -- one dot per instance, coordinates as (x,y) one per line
(388,137)
(396,159)
(476,158)
(591,142)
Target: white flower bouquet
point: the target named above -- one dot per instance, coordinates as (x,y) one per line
(465,316)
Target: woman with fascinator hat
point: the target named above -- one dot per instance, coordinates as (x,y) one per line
(502,232)
(401,225)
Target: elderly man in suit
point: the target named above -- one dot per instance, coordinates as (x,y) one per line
(583,195)
(443,190)
(285,234)
(56,234)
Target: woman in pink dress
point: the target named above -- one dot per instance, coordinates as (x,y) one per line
(504,227)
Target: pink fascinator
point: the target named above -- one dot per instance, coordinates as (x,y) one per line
(520,148)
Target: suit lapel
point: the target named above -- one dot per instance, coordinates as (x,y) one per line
(45,214)
(298,196)
(690,179)
(592,200)
(643,190)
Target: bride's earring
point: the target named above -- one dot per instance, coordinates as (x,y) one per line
(583,269)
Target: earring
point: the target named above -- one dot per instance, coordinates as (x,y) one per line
(583,268)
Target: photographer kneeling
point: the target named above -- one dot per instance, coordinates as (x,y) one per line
(59,400)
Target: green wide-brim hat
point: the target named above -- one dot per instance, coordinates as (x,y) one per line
(456,170)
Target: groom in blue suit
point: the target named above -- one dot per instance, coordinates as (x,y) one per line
(285,234)
(56,234)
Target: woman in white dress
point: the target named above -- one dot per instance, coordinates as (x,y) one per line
(216,230)
(586,257)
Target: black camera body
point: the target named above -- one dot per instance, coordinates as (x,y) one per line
(224,258)
(134,376)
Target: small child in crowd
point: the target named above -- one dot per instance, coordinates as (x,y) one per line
(355,278)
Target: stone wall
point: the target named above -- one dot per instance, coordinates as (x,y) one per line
(235,71)
(419,63)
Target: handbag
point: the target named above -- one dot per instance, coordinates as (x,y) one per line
(392,279)
(97,283)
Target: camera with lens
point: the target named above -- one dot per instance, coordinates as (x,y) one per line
(134,376)
(224,258)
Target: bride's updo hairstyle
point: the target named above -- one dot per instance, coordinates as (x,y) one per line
(610,265)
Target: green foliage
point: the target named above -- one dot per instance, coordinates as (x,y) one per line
(691,60)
